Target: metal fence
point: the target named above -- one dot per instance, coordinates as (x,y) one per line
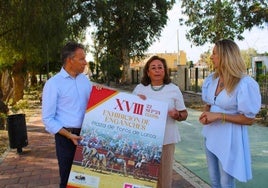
(196,78)
(264,92)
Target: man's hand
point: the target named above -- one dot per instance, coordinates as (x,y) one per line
(75,139)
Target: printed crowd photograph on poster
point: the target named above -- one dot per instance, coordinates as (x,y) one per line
(122,141)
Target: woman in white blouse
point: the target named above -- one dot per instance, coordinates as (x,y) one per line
(156,84)
(232,101)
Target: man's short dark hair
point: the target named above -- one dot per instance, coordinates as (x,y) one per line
(69,49)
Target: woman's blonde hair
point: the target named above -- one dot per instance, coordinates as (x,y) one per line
(231,65)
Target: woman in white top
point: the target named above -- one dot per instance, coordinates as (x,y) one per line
(232,100)
(156,84)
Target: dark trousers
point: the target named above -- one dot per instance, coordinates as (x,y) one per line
(65,150)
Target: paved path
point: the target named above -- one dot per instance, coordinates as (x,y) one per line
(37,165)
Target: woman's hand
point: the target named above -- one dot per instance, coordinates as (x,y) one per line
(98,86)
(203,119)
(143,97)
(173,113)
(209,117)
(178,115)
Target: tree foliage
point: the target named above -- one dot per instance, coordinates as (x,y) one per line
(127,28)
(35,30)
(32,33)
(247,56)
(212,20)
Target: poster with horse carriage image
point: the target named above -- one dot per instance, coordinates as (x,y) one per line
(122,141)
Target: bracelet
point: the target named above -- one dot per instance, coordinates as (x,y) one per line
(223,118)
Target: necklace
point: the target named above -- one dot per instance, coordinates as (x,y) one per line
(157,88)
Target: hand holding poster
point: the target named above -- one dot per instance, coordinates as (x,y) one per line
(122,142)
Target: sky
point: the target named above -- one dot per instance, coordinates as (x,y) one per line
(173,38)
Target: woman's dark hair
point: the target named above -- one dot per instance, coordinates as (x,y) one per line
(145,80)
(69,49)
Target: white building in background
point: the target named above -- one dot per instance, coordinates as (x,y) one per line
(259,65)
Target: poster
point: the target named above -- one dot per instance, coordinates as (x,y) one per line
(122,142)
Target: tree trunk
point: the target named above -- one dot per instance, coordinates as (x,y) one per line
(6,85)
(3,111)
(18,76)
(33,79)
(126,66)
